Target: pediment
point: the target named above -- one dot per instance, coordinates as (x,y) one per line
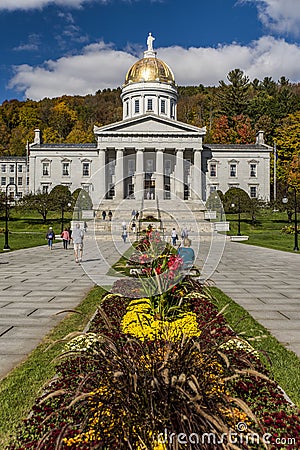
(149,124)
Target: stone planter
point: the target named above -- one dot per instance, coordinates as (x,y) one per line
(221,226)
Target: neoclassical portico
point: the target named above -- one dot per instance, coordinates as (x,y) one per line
(161,163)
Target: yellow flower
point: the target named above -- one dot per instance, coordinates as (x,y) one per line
(139,322)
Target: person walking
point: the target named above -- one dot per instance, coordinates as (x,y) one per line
(137,214)
(110,214)
(66,238)
(124,234)
(184,233)
(133,213)
(50,236)
(174,236)
(103,215)
(77,238)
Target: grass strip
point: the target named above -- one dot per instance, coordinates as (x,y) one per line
(20,388)
(120,267)
(283,364)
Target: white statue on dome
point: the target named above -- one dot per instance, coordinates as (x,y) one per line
(150,40)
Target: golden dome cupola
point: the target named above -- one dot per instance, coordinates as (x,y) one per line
(149,87)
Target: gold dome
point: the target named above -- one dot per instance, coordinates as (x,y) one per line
(149,69)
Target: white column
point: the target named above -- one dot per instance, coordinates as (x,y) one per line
(139,175)
(179,174)
(197,176)
(119,175)
(99,181)
(159,176)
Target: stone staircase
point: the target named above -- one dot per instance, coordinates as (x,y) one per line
(173,213)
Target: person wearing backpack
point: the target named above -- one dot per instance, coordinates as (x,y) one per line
(50,236)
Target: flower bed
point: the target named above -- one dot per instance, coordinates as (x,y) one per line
(160,372)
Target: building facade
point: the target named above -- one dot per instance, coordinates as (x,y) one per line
(150,154)
(14,170)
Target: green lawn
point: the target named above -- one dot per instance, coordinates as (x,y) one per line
(265,231)
(20,388)
(27,229)
(283,364)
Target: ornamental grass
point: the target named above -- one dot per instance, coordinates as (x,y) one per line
(160,372)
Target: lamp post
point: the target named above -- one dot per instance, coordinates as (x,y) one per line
(6,245)
(285,201)
(239,215)
(62,214)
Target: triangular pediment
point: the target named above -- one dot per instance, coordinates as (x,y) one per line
(149,124)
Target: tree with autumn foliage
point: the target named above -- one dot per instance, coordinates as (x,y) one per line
(288,144)
(238,130)
(293,174)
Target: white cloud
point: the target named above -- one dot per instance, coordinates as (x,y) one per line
(32,44)
(100,66)
(280,16)
(12,5)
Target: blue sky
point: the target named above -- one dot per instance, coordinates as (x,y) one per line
(53,47)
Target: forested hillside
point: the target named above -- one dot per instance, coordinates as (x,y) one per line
(232,112)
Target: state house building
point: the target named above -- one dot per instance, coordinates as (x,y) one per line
(150,154)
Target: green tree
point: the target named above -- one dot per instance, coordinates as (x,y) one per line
(42,203)
(235,200)
(234,96)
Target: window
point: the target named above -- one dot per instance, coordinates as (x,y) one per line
(66,169)
(232,170)
(3,181)
(131,167)
(45,189)
(213,188)
(172,110)
(149,104)
(136,106)
(149,166)
(20,181)
(11,167)
(85,169)
(253,191)
(168,165)
(163,107)
(213,170)
(127,108)
(27,181)
(11,179)
(20,168)
(46,169)
(252,170)
(3,167)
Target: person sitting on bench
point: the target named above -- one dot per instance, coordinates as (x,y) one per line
(187,254)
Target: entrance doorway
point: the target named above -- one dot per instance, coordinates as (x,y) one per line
(149,189)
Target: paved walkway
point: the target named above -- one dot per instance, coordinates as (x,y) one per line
(267,284)
(35,284)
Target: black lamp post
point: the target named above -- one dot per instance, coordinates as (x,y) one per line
(239,215)
(285,200)
(62,214)
(6,245)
